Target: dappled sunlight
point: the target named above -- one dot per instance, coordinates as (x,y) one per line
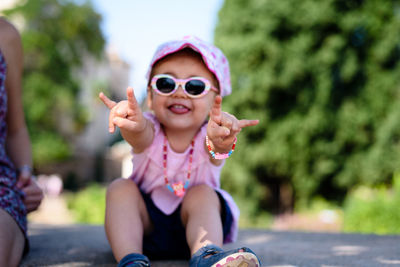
(348,250)
(322,221)
(388,261)
(259,239)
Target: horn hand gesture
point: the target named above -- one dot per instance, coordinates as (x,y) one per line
(223,127)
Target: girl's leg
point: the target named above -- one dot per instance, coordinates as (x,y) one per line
(126,218)
(12,241)
(201,216)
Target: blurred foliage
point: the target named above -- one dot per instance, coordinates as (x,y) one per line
(373,210)
(56,35)
(251,217)
(88,205)
(323,77)
(318,204)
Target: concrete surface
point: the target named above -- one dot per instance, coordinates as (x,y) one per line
(83,245)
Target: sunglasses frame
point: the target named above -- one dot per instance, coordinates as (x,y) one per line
(182,83)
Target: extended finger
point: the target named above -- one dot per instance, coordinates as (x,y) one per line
(215,113)
(246,123)
(132,102)
(108,102)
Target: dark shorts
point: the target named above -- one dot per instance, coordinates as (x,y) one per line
(168,240)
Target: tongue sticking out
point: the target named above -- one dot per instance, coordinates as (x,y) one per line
(179,109)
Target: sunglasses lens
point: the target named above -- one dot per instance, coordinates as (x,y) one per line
(195,87)
(165,85)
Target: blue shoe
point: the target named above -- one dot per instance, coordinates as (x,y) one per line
(213,256)
(134,260)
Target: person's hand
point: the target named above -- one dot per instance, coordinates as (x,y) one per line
(33,193)
(223,127)
(125,114)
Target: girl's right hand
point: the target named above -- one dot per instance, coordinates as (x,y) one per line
(125,114)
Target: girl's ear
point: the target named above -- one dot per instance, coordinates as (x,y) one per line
(149,99)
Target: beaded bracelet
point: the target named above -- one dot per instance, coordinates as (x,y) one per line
(217,155)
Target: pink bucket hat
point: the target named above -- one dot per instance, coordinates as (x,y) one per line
(213,57)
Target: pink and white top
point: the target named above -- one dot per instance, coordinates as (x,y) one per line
(148,173)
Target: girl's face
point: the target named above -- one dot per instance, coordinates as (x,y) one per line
(178,111)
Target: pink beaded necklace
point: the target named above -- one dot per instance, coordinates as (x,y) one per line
(178,188)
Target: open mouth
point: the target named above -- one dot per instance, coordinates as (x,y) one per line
(178,109)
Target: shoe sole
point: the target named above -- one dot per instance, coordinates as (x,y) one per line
(239,259)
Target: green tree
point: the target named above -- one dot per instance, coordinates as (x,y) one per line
(323,77)
(56,35)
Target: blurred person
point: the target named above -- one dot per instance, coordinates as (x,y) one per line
(19,192)
(172,206)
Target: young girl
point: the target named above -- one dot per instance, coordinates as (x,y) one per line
(172,205)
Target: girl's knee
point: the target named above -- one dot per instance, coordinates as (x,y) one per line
(122,186)
(200,194)
(201,190)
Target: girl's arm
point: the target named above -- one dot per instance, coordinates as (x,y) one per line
(128,116)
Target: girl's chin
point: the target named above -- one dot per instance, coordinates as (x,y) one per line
(180,125)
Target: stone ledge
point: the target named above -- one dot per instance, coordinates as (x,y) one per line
(86,245)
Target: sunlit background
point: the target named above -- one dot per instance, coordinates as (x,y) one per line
(323,77)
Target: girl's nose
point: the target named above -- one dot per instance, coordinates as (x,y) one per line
(179,92)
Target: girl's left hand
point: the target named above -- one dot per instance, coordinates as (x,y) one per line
(223,127)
